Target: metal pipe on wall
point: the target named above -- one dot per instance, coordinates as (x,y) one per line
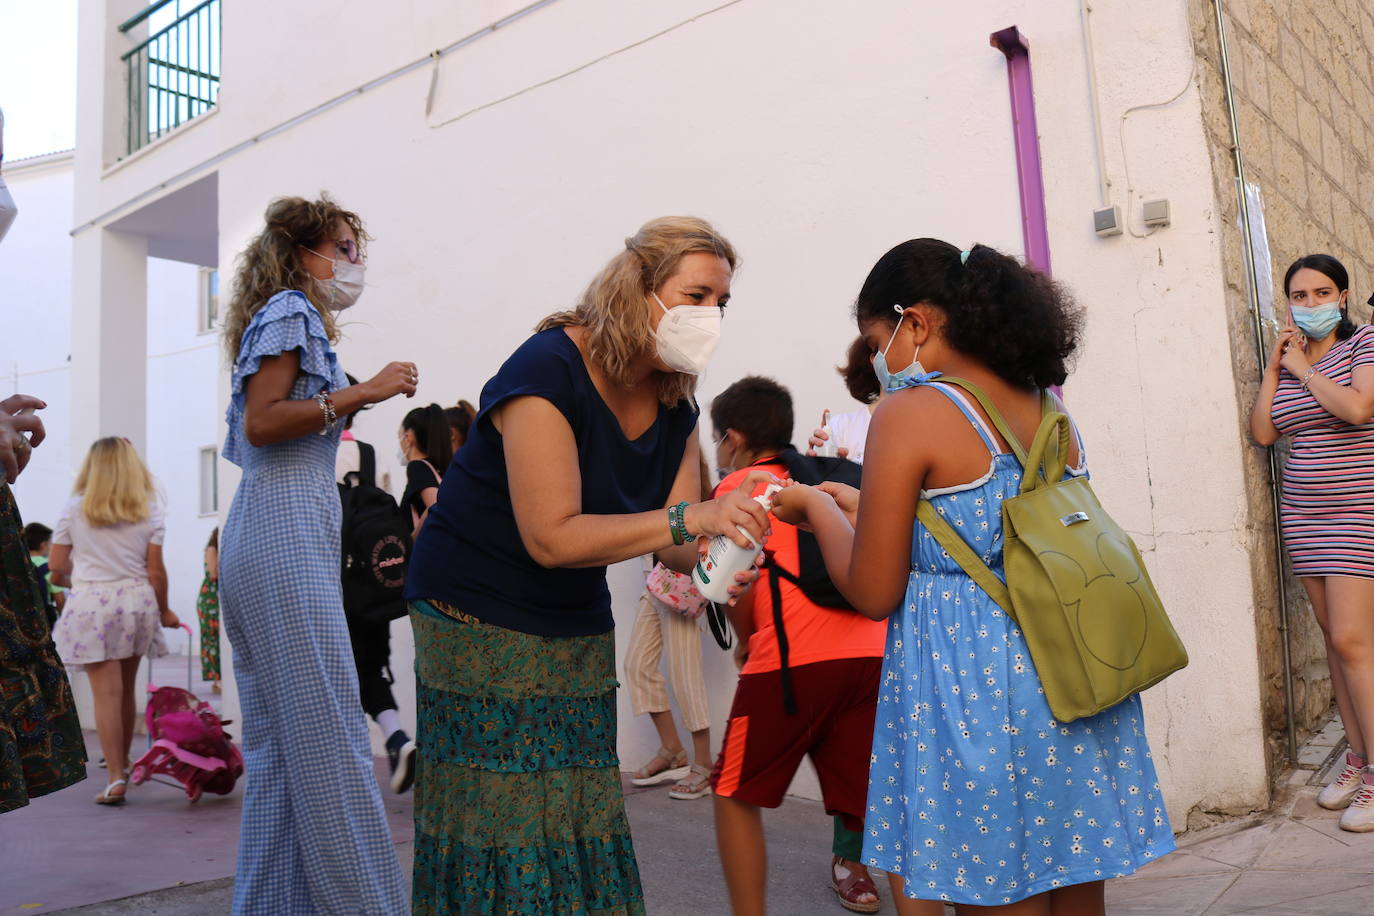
(1103,182)
(1252,291)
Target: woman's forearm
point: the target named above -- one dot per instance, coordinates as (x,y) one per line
(284,420)
(1342,401)
(680,558)
(1262,428)
(600,540)
(157,578)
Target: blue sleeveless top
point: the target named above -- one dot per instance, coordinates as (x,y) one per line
(470,554)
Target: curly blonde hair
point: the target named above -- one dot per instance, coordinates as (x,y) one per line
(115,485)
(272,262)
(614,308)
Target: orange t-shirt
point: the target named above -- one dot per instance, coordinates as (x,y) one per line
(814,633)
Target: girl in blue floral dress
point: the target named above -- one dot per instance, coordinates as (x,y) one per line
(977,795)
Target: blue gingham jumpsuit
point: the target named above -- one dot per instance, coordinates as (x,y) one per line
(314,833)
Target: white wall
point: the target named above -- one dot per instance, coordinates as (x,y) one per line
(35,301)
(184,415)
(815,135)
(184,409)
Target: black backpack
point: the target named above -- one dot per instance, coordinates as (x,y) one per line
(812,577)
(376,545)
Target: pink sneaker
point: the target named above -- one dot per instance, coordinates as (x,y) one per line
(1340,791)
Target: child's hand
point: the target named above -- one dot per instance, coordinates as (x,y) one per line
(819,438)
(791,504)
(170,620)
(743,580)
(731,512)
(845,496)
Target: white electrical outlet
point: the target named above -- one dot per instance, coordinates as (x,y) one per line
(1155,212)
(1107,221)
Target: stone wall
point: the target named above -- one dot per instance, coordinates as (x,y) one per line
(1303,78)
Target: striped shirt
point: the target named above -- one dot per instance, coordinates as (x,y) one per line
(1328,481)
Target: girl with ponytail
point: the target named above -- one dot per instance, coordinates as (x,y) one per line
(426,446)
(977,795)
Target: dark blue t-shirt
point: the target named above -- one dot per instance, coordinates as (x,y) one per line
(470,554)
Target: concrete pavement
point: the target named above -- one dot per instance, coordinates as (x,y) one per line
(161,855)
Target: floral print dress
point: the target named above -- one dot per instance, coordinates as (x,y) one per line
(207,610)
(977,795)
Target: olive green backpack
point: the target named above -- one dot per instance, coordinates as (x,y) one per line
(1076,585)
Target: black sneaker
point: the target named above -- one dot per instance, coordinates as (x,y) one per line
(400,753)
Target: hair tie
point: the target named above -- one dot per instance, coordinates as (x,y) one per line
(963,256)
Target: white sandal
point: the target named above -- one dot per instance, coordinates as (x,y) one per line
(675,770)
(105,798)
(689,788)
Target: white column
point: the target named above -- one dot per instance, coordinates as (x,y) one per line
(109,338)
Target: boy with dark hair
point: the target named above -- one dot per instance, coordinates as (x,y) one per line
(38,538)
(833,660)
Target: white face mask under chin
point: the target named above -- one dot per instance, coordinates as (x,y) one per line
(687,336)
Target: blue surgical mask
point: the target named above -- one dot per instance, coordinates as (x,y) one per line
(1319,320)
(896,381)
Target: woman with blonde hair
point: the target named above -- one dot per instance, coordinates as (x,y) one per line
(584,453)
(315,836)
(108,547)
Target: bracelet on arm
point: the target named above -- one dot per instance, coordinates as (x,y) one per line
(327,408)
(677,524)
(1307,379)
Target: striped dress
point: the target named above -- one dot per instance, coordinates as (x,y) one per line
(1328,482)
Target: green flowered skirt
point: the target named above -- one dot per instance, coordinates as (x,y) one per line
(518,805)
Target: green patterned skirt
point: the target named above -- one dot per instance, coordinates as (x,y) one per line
(518,805)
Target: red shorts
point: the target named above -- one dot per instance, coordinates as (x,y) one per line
(763,746)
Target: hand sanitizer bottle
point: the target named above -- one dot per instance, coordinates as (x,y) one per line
(715,572)
(827,449)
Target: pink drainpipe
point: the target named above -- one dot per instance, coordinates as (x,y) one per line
(1034,229)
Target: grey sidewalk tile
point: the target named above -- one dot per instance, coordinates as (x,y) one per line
(1302,847)
(1313,756)
(1305,806)
(1328,824)
(1330,736)
(1285,892)
(1187,896)
(1239,849)
(1181,863)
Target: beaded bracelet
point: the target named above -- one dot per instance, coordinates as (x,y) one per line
(677,524)
(327,408)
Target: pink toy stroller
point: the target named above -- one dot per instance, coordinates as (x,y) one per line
(190,745)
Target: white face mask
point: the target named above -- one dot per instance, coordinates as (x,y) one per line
(687,336)
(344,288)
